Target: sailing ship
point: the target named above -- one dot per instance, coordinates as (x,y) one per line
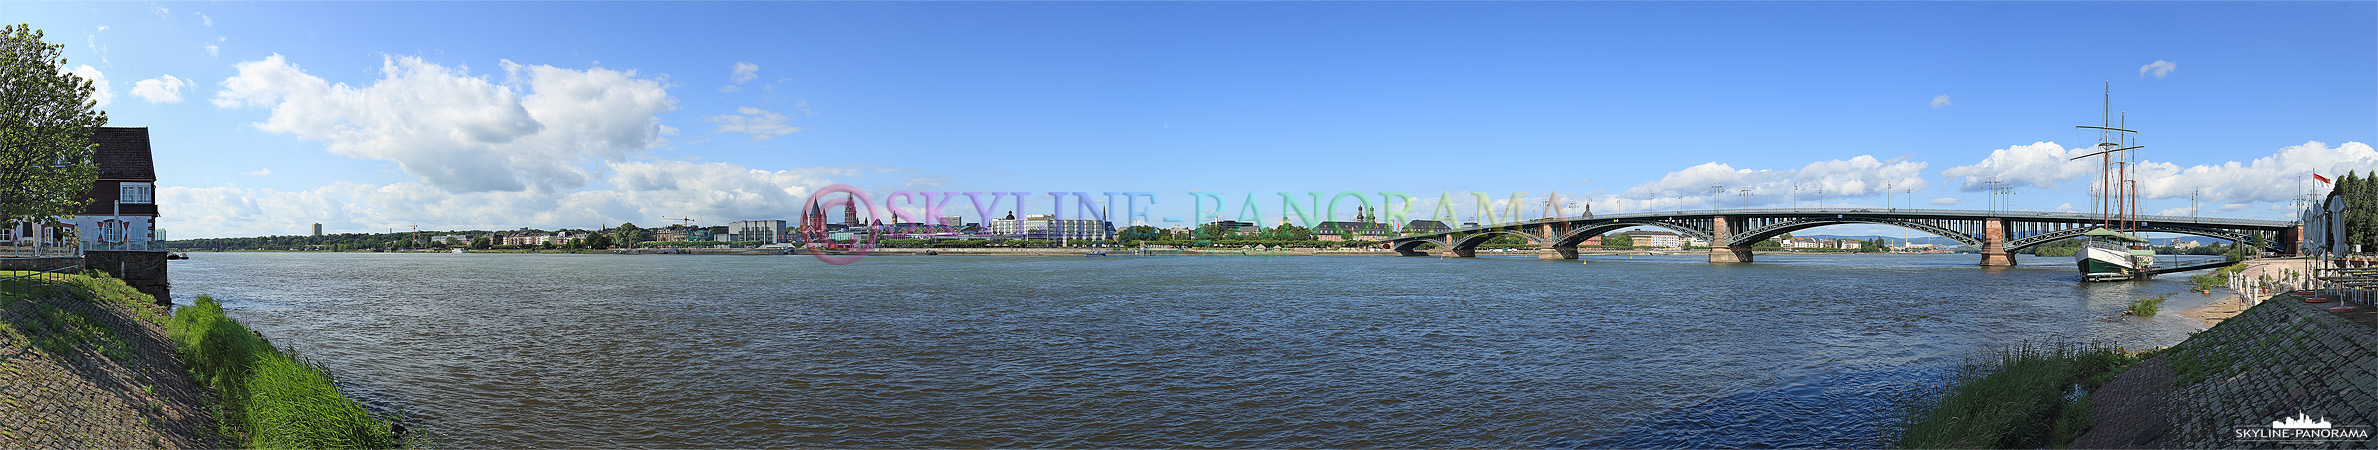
(2114,251)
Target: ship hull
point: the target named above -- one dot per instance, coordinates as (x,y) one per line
(2105,261)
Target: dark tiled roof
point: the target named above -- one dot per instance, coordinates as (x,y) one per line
(123,153)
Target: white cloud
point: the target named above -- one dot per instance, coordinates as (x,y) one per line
(759,123)
(2040,164)
(1944,201)
(2273,178)
(1828,181)
(643,192)
(2270,178)
(99,89)
(2064,207)
(744,72)
(212,50)
(162,89)
(537,130)
(1942,100)
(262,172)
(2159,68)
(208,21)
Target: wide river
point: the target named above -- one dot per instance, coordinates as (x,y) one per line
(507,350)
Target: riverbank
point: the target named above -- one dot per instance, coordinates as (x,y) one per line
(85,363)
(2221,388)
(88,361)
(2248,286)
(2224,387)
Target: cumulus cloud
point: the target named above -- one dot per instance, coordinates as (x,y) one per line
(99,89)
(744,72)
(2270,178)
(644,192)
(1942,100)
(203,19)
(1823,182)
(262,172)
(162,89)
(759,123)
(212,50)
(2158,69)
(540,128)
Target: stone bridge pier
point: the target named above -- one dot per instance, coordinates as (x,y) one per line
(1721,248)
(1994,243)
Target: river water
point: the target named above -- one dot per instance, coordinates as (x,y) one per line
(508,350)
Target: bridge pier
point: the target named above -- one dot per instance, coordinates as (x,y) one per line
(1556,252)
(2291,240)
(1719,251)
(1451,252)
(1994,252)
(1729,254)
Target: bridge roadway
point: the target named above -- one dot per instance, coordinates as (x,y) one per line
(1732,232)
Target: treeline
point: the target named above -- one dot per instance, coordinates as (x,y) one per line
(2360,195)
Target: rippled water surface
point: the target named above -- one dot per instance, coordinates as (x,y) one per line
(922,351)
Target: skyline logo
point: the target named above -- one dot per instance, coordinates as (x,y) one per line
(2303,428)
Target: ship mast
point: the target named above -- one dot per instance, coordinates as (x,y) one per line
(2117,194)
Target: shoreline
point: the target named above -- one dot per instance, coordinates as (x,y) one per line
(2239,299)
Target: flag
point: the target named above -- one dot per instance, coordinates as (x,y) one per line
(2321,178)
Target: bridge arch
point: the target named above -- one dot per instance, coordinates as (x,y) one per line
(1581,233)
(1752,236)
(2017,244)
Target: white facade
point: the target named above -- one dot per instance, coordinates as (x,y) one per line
(1045,226)
(132,233)
(766,231)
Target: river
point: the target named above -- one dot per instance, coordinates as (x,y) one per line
(511,350)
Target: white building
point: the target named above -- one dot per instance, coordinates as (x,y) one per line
(1648,238)
(1046,226)
(764,231)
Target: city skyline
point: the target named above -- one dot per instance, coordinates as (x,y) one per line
(270,117)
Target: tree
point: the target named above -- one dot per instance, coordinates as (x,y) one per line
(1618,240)
(46,119)
(628,234)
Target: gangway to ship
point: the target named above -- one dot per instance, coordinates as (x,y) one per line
(2214,265)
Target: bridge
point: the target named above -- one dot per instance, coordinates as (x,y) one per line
(1731,233)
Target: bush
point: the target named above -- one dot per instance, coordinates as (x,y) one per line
(2146,307)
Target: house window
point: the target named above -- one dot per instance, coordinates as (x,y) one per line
(137,193)
(111,231)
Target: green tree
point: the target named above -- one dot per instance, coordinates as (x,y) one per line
(628,234)
(47,116)
(1618,240)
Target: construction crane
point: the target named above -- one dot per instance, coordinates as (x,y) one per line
(683,221)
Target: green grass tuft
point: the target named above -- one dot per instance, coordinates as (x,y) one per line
(272,399)
(2017,398)
(2146,307)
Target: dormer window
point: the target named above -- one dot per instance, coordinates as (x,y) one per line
(137,193)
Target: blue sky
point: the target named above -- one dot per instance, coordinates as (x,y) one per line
(369,116)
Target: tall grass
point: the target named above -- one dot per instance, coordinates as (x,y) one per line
(2032,395)
(270,398)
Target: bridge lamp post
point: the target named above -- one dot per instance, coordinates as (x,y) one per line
(1745,194)
(1718,198)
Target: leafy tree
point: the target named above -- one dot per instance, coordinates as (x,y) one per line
(46,119)
(628,234)
(1618,240)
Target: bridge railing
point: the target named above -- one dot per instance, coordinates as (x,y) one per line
(1942,213)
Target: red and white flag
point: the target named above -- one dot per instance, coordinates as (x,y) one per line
(2321,178)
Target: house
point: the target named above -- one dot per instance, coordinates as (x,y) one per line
(122,211)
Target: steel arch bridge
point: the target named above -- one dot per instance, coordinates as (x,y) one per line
(1731,233)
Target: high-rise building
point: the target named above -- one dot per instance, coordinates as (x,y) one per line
(769,231)
(317,230)
(953,221)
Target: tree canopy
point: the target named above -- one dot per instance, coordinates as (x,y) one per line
(47,116)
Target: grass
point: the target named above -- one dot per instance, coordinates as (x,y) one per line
(268,397)
(2032,395)
(2146,307)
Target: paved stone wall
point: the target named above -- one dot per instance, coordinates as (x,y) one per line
(2274,361)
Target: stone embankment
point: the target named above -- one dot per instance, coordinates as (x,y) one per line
(2223,387)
